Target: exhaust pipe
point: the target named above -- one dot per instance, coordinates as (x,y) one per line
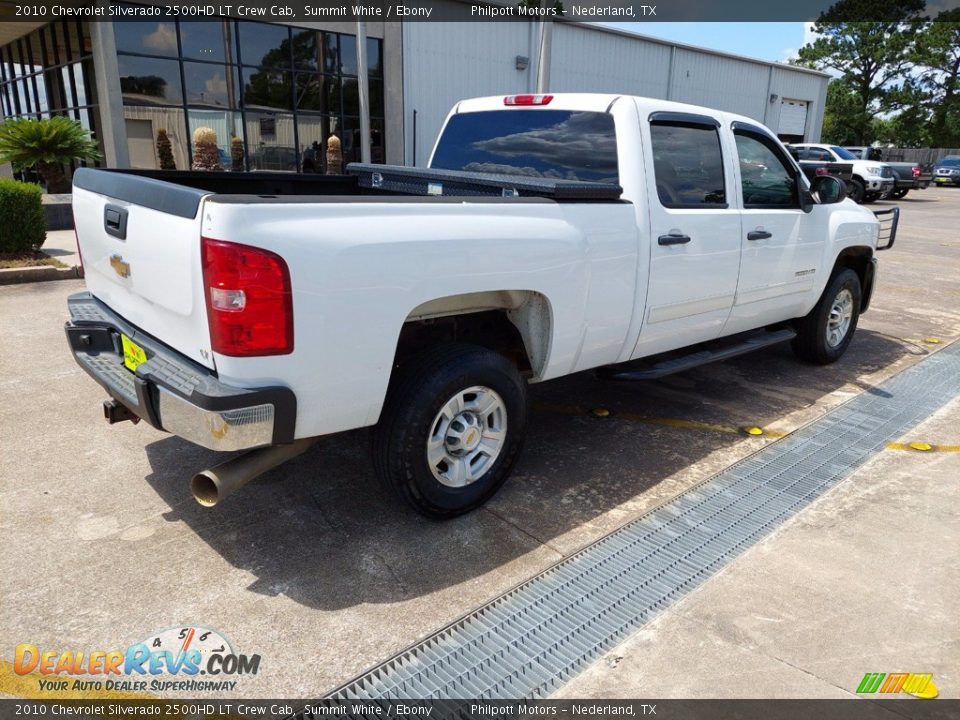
(213,485)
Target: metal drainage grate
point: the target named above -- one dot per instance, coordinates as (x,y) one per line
(531,640)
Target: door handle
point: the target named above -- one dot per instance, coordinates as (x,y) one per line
(758,235)
(115,221)
(673,239)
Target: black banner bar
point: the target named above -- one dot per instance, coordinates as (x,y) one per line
(637,12)
(214,709)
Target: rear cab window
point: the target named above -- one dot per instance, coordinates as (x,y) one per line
(553,144)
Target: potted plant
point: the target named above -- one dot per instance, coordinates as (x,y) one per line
(206,154)
(46,145)
(165,151)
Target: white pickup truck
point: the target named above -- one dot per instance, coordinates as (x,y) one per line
(872,180)
(550,235)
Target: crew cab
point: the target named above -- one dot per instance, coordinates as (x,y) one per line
(871,180)
(550,234)
(907,176)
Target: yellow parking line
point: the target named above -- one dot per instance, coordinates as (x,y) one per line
(922,447)
(683,424)
(680,423)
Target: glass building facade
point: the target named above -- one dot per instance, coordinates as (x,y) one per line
(50,72)
(277,92)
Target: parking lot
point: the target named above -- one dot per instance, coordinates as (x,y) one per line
(323,573)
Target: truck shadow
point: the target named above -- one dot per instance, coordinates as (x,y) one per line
(321,530)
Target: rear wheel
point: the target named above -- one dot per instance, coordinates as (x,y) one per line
(856,190)
(452,429)
(825,333)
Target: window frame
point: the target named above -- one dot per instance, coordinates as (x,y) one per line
(693,122)
(755,133)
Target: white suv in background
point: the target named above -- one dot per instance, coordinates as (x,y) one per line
(871,180)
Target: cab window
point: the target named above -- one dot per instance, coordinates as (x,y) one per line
(765,177)
(688,166)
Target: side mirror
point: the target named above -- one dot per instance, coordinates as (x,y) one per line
(827,190)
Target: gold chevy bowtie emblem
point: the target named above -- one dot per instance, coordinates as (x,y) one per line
(120,267)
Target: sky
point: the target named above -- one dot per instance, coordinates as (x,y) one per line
(776,41)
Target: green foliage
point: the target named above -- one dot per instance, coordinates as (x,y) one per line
(935,85)
(899,73)
(24,226)
(46,144)
(165,151)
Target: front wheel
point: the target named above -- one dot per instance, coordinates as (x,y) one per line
(856,190)
(452,429)
(899,194)
(825,333)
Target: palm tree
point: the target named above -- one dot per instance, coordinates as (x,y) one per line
(46,144)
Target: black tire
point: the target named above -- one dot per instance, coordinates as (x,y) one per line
(856,190)
(869,198)
(811,343)
(423,388)
(899,194)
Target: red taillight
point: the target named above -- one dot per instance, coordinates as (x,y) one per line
(822,171)
(249,303)
(915,170)
(527,99)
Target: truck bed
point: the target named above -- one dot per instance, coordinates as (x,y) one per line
(361,179)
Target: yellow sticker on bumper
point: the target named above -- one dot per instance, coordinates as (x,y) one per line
(133,354)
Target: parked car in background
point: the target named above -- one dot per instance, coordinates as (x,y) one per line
(815,168)
(947,171)
(871,180)
(274,157)
(908,175)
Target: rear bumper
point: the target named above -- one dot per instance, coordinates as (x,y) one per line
(173,393)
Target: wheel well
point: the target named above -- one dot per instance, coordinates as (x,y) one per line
(515,323)
(858,260)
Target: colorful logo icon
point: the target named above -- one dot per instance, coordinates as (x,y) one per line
(919,685)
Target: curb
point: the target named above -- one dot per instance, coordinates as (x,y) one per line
(38,273)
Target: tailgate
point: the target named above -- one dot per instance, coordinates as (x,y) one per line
(140,244)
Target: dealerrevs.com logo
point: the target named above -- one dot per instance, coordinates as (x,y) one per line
(165,661)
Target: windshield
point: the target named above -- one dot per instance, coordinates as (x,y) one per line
(950,162)
(555,144)
(842,154)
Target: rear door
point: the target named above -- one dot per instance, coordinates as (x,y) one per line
(780,258)
(694,232)
(140,244)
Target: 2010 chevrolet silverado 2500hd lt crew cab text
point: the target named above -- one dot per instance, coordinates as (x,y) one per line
(550,235)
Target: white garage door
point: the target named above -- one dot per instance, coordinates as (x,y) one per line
(793,117)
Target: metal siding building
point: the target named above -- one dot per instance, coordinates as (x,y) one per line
(446,62)
(424,69)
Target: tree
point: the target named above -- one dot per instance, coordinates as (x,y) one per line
(936,87)
(869,53)
(46,145)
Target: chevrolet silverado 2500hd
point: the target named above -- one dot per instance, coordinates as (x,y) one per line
(549,235)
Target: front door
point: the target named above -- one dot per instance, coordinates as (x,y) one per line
(781,256)
(694,233)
